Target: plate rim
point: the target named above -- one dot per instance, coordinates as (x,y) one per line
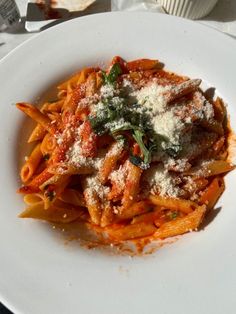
(6,299)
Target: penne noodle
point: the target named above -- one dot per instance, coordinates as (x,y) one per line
(211,168)
(30,166)
(131,231)
(219,110)
(136,209)
(183,89)
(107,215)
(32,199)
(94,206)
(213,126)
(143,64)
(52,107)
(37,181)
(110,161)
(132,186)
(212,193)
(73,81)
(181,225)
(195,185)
(53,188)
(65,168)
(73,197)
(218,145)
(54,214)
(91,84)
(48,144)
(148,217)
(88,140)
(181,205)
(38,116)
(37,134)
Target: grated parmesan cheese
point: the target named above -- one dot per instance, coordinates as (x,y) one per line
(179,165)
(94,186)
(161,181)
(172,124)
(153,98)
(74,156)
(116,149)
(119,176)
(107,91)
(169,126)
(206,110)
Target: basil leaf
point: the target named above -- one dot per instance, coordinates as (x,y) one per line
(112,76)
(173,150)
(138,136)
(173,215)
(135,160)
(46,157)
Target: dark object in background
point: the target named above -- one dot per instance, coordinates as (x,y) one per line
(4,310)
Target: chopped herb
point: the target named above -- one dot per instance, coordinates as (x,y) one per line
(137,161)
(173,215)
(120,118)
(46,157)
(112,76)
(138,136)
(50,195)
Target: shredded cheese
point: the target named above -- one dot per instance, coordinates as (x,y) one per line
(161,181)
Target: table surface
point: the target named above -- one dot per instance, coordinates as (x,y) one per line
(223,18)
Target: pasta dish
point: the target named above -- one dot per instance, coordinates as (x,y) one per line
(134,152)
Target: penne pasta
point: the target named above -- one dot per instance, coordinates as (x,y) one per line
(142,65)
(107,215)
(37,116)
(132,231)
(72,196)
(185,206)
(30,166)
(136,209)
(212,168)
(181,225)
(132,185)
(37,134)
(182,89)
(32,199)
(48,144)
(110,161)
(134,151)
(94,206)
(219,110)
(54,214)
(212,193)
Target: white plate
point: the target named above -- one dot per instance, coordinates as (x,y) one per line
(38,273)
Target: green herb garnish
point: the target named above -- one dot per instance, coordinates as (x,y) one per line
(138,161)
(112,76)
(138,136)
(122,118)
(173,215)
(50,195)
(173,150)
(118,117)
(46,157)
